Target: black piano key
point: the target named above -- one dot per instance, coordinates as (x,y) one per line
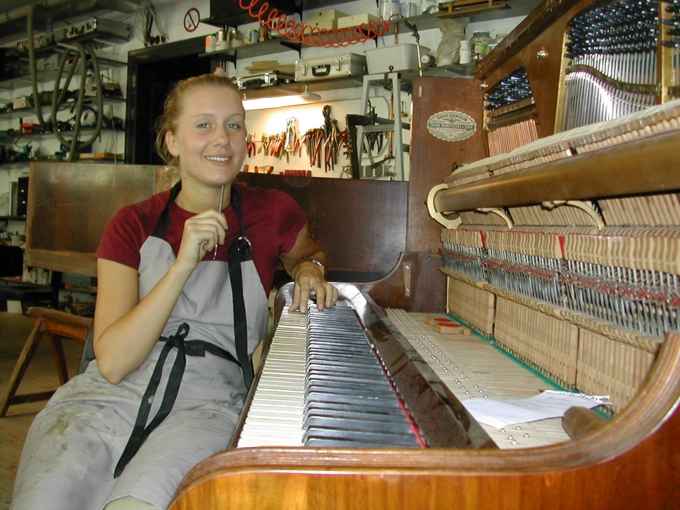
(359,401)
(369,417)
(376,438)
(361,393)
(373,412)
(322,442)
(352,424)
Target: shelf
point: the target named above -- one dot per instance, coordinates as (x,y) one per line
(12,30)
(455,70)
(47,109)
(269,47)
(299,87)
(84,131)
(51,75)
(15,165)
(242,17)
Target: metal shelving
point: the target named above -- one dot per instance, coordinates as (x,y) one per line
(269,47)
(51,75)
(14,114)
(83,131)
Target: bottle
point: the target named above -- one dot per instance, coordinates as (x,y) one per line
(409,8)
(480,45)
(209,43)
(390,9)
(464,52)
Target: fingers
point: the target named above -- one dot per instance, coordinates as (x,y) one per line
(331,295)
(209,221)
(211,216)
(326,294)
(320,290)
(296,297)
(304,295)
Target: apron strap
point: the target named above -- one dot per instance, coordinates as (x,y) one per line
(185,348)
(239,251)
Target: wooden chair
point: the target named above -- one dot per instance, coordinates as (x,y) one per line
(51,325)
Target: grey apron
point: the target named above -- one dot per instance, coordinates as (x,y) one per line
(75,443)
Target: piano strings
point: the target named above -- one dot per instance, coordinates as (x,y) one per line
(509,113)
(613,61)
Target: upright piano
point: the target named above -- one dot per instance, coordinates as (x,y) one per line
(558,249)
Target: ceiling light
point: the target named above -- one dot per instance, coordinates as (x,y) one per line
(280,101)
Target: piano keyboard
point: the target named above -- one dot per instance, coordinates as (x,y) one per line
(322,385)
(472,368)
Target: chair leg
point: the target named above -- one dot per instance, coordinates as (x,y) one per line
(20,367)
(59,358)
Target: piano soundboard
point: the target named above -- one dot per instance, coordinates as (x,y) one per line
(325,383)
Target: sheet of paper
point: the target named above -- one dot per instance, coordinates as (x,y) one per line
(548,404)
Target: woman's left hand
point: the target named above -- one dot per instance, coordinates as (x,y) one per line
(309,280)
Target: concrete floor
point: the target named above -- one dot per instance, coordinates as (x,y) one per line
(40,376)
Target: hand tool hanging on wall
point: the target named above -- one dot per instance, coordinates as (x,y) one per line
(291,143)
(250,145)
(323,144)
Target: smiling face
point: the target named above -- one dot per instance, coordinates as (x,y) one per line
(209,136)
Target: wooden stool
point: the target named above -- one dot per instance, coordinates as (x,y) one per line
(54,325)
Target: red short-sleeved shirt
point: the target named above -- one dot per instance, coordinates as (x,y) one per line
(272,220)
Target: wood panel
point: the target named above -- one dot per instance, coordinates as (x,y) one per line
(431,161)
(362,224)
(70,203)
(619,172)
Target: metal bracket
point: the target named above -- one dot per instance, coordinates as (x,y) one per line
(436,215)
(586,206)
(498,212)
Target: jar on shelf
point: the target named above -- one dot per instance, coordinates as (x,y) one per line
(465,52)
(409,8)
(389,9)
(479,44)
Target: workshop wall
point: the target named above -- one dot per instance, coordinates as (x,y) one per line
(261,122)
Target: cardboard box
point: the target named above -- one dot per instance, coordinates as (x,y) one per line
(357,19)
(394,58)
(326,19)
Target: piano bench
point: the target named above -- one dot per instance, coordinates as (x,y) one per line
(51,325)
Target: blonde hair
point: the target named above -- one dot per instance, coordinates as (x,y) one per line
(172,108)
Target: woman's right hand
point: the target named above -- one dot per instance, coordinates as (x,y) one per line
(201,234)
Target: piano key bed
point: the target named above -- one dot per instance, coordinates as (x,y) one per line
(473,368)
(352,376)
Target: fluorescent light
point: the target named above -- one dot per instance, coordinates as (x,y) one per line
(277,102)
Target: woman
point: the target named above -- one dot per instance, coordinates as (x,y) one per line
(170,335)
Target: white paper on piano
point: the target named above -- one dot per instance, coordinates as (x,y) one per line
(548,404)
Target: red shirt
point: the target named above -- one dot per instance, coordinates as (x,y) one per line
(272,221)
